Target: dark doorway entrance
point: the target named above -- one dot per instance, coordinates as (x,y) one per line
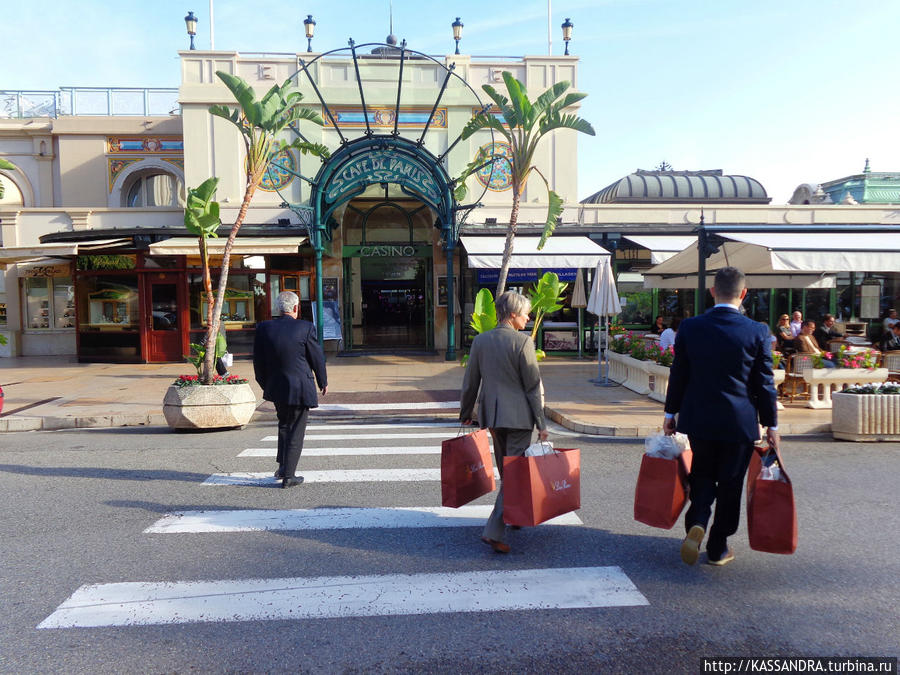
(394,301)
(164,322)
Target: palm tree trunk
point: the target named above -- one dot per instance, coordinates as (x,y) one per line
(212,331)
(206,375)
(510,239)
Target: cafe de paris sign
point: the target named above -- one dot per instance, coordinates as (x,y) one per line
(382,166)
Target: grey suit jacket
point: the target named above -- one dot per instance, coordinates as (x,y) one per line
(503,365)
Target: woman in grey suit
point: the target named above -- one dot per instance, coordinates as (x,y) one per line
(502,363)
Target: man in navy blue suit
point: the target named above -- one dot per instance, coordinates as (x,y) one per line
(286,358)
(721,388)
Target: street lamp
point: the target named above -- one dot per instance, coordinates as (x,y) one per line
(191,22)
(457,32)
(310,25)
(567,33)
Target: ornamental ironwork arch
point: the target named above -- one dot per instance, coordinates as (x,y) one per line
(385,158)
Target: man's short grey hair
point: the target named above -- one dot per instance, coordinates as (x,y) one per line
(510,303)
(728,284)
(286,301)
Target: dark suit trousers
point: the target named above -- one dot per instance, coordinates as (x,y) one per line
(507,443)
(717,475)
(291,430)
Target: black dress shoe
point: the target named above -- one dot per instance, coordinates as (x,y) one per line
(291,482)
(280,472)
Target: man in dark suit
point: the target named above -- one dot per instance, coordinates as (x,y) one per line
(286,358)
(721,388)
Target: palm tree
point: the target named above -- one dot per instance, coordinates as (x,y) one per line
(259,121)
(525,124)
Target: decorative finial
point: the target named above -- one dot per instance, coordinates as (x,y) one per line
(866,169)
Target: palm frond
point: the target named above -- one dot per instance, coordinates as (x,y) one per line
(484,121)
(518,97)
(559,121)
(243,94)
(554,92)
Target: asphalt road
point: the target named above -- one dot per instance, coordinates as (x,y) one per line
(76,506)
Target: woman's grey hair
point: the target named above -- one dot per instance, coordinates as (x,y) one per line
(510,303)
(286,301)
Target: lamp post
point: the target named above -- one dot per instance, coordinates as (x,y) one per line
(567,33)
(457,32)
(309,24)
(191,22)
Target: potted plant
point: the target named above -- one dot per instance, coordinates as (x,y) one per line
(854,369)
(867,413)
(209,401)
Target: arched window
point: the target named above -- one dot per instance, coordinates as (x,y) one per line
(152,188)
(10,194)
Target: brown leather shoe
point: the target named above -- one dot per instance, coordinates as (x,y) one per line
(690,546)
(498,546)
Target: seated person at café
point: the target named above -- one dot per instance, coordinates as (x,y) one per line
(891,341)
(658,326)
(806,344)
(667,338)
(826,332)
(784,334)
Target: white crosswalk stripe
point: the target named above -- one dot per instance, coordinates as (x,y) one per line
(425,405)
(144,603)
(329,476)
(222,600)
(335,452)
(255,520)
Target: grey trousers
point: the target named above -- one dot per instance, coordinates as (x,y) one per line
(507,443)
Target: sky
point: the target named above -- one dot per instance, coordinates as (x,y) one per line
(784,91)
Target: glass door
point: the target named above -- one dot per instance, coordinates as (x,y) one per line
(165,339)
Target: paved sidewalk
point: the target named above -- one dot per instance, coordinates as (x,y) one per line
(56,392)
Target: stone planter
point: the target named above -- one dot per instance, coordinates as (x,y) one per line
(823,381)
(617,366)
(630,373)
(212,406)
(660,380)
(778,375)
(866,417)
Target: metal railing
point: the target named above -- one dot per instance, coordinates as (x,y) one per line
(97,101)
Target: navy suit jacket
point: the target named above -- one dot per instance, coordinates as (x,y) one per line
(288,361)
(721,380)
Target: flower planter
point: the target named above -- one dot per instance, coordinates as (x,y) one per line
(866,417)
(778,375)
(823,381)
(660,380)
(212,406)
(616,363)
(637,378)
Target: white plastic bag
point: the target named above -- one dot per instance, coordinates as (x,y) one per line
(538,449)
(227,359)
(771,473)
(665,447)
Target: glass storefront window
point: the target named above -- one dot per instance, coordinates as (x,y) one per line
(240,306)
(109,325)
(637,301)
(49,303)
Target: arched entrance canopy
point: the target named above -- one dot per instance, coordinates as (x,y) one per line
(385,158)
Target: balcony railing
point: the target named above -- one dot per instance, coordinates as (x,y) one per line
(98,101)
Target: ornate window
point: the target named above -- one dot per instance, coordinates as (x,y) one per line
(152,188)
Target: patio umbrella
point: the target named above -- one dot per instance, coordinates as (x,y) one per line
(604,302)
(579,301)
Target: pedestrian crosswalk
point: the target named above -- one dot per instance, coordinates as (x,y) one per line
(385,453)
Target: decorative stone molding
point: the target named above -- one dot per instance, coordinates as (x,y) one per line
(866,417)
(823,381)
(211,406)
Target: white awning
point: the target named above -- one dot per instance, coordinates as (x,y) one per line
(780,252)
(662,247)
(242,245)
(559,252)
(14,254)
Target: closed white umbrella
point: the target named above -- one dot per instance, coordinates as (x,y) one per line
(579,302)
(604,302)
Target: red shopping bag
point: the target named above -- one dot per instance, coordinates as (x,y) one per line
(466,468)
(771,511)
(662,489)
(539,488)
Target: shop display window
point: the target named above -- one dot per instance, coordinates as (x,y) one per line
(2,315)
(109,303)
(49,303)
(243,303)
